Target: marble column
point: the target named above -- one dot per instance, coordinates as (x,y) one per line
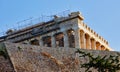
(93,44)
(82,39)
(87,37)
(98,46)
(77,38)
(102,47)
(66,43)
(53,40)
(41,42)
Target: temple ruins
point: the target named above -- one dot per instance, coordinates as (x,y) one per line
(68,32)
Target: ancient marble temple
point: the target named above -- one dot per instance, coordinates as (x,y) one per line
(67,32)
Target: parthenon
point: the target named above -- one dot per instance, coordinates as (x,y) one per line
(69,31)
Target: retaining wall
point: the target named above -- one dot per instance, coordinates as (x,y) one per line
(29,58)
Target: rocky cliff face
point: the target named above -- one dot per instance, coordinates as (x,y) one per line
(28,58)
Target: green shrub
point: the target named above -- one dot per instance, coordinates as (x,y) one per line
(102,64)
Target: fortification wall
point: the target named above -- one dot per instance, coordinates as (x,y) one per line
(28,58)
(5,63)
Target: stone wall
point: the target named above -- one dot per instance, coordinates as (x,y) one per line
(28,58)
(5,63)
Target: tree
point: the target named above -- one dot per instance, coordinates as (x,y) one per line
(102,64)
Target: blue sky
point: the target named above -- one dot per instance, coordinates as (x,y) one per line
(103,16)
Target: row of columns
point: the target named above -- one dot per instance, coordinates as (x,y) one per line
(80,40)
(65,40)
(86,42)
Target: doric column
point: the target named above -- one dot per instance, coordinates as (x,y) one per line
(82,39)
(102,47)
(53,40)
(87,37)
(77,38)
(41,42)
(98,46)
(66,43)
(93,44)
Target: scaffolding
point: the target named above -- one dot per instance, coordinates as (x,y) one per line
(32,21)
